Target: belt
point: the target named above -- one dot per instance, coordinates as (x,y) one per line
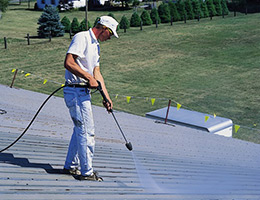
(77,85)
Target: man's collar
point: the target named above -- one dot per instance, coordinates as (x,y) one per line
(93,37)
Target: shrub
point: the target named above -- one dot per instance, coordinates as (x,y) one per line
(145,17)
(155,16)
(164,13)
(3,5)
(196,9)
(174,12)
(181,9)
(96,21)
(75,25)
(204,8)
(224,7)
(218,7)
(135,20)
(50,23)
(66,23)
(82,26)
(189,9)
(124,23)
(211,7)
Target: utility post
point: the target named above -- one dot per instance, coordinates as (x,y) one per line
(86,14)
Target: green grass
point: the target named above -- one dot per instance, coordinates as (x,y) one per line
(210,66)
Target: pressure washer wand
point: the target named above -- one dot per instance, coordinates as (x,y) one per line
(127,144)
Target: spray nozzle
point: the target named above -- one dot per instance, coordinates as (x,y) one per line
(129,146)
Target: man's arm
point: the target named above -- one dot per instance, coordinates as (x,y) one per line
(71,65)
(98,76)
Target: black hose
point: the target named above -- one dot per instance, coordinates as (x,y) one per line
(32,119)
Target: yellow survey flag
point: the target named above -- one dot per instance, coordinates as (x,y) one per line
(28,74)
(128,99)
(215,115)
(206,118)
(45,81)
(178,106)
(116,96)
(152,100)
(236,128)
(13,70)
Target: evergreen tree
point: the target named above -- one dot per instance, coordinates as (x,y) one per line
(50,23)
(112,15)
(155,16)
(189,9)
(204,8)
(164,13)
(181,9)
(124,23)
(145,17)
(211,8)
(66,23)
(135,20)
(96,21)
(82,26)
(174,12)
(218,7)
(196,9)
(75,25)
(224,7)
(3,5)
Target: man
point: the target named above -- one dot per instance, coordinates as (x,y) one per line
(82,65)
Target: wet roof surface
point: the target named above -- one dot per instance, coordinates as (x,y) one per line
(167,162)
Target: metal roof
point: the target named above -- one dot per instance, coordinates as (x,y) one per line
(167,162)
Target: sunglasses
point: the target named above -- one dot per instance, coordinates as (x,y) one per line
(110,31)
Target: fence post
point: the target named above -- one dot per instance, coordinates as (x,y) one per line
(28,39)
(13,78)
(141,25)
(166,117)
(5,42)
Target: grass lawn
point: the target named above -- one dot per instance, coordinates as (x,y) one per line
(210,66)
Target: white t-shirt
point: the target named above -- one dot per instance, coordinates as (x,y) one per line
(85,45)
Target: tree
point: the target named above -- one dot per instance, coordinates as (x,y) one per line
(174,12)
(218,7)
(164,13)
(181,9)
(124,23)
(211,7)
(155,16)
(82,26)
(75,25)
(224,7)
(3,5)
(135,20)
(112,15)
(204,8)
(96,21)
(145,17)
(66,23)
(189,9)
(50,23)
(196,9)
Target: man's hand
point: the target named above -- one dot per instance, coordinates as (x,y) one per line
(93,83)
(108,105)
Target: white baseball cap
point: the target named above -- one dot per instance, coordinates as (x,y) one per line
(110,23)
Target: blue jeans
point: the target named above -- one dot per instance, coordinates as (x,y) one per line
(82,143)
